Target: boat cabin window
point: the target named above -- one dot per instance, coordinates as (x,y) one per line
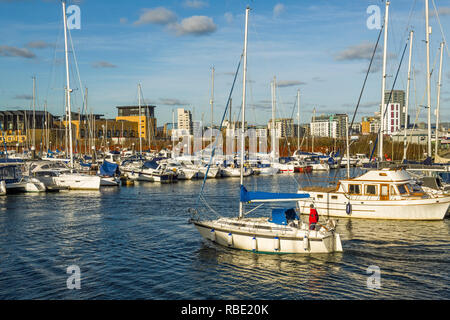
(402,189)
(393,191)
(320,196)
(334,197)
(371,190)
(354,189)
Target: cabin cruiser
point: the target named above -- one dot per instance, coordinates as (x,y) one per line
(284,165)
(377,194)
(13,181)
(56,175)
(182,171)
(232,171)
(150,171)
(361,159)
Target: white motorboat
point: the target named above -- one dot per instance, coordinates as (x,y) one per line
(283,233)
(15,182)
(231,171)
(182,171)
(55,174)
(150,171)
(377,194)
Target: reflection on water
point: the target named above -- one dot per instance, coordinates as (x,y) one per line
(135,243)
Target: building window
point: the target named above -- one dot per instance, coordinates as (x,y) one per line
(100,133)
(125,133)
(132,134)
(81,133)
(108,134)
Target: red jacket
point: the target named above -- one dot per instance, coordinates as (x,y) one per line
(313,216)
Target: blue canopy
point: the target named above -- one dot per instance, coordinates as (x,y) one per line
(150,164)
(109,169)
(258,196)
(283,216)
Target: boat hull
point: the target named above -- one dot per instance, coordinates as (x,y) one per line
(434,208)
(78,182)
(284,242)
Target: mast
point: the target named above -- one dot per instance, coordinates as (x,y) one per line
(212,100)
(139,126)
(438,103)
(241,205)
(427,41)
(312,135)
(298,119)
(383,82)
(68,90)
(173,130)
(274,130)
(411,35)
(348,147)
(34,114)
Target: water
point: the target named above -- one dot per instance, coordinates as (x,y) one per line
(136,243)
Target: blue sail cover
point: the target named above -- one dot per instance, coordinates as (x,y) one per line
(258,196)
(108,169)
(283,216)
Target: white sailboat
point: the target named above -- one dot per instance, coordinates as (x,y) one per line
(283,233)
(71,179)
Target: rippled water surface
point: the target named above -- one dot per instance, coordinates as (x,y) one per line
(136,243)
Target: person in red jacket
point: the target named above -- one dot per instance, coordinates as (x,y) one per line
(313,217)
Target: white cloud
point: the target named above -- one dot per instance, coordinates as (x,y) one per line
(8,51)
(195,25)
(103,64)
(158,15)
(228,17)
(196,4)
(38,44)
(442,11)
(289,83)
(278,9)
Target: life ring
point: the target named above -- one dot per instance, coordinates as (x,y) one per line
(348,208)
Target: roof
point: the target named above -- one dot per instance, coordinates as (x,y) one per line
(134,107)
(388,175)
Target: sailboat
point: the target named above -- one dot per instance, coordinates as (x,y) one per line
(71,179)
(283,232)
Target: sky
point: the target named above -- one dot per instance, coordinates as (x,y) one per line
(321,48)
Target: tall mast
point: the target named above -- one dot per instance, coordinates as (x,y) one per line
(438,103)
(34,114)
(427,40)
(241,206)
(411,35)
(274,130)
(139,125)
(312,135)
(298,119)
(68,90)
(212,100)
(383,82)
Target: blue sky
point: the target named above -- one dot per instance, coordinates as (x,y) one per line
(320,47)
